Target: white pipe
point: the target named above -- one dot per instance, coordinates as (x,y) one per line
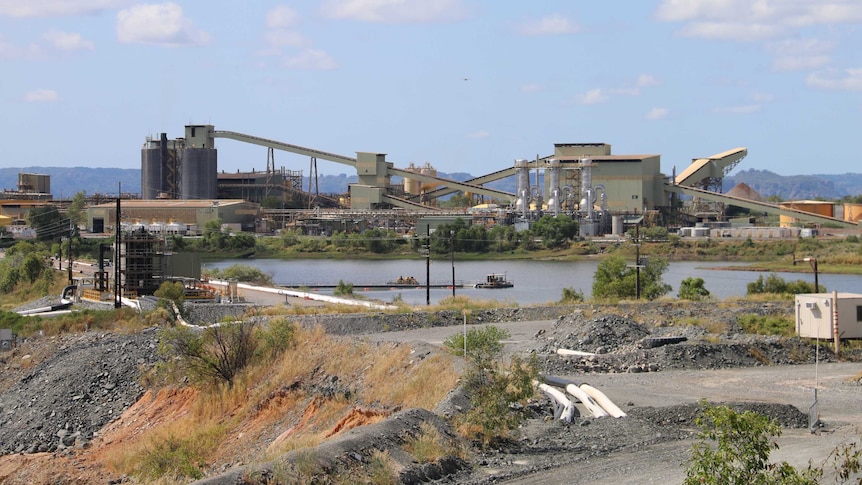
(310,296)
(579,353)
(586,400)
(568,412)
(603,401)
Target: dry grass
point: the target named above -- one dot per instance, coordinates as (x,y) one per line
(429,445)
(280,395)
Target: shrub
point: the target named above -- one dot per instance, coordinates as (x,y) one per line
(218,353)
(733,449)
(343,289)
(571,295)
(693,289)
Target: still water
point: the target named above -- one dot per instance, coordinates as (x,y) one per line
(535,281)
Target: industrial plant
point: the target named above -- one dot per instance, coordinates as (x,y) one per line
(182,189)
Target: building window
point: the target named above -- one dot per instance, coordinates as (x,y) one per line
(859,313)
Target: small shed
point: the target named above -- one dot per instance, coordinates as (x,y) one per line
(815,314)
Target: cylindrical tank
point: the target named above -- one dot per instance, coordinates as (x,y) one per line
(586,178)
(554,184)
(853,212)
(522,179)
(427,169)
(412,186)
(152,179)
(199,173)
(617,225)
(820,208)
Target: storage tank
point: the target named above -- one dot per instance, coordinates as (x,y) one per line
(152,181)
(430,171)
(554,185)
(199,173)
(617,225)
(522,180)
(853,212)
(817,207)
(412,186)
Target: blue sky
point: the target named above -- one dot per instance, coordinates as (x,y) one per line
(467,86)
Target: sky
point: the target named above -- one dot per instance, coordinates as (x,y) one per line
(466,86)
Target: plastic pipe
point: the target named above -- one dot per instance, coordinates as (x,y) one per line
(566,409)
(603,401)
(591,405)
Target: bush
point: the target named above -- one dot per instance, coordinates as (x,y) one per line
(217,353)
(692,289)
(775,284)
(615,279)
(571,295)
(343,289)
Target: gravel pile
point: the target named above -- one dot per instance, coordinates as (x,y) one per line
(621,344)
(63,401)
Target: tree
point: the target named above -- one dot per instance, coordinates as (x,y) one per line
(615,279)
(693,289)
(75,211)
(47,222)
(555,232)
(733,449)
(218,353)
(492,387)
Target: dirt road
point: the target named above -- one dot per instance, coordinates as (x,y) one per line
(644,462)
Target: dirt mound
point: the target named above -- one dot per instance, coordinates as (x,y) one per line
(603,334)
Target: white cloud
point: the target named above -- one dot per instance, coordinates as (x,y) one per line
(657,114)
(554,24)
(159,24)
(479,134)
(835,80)
(645,80)
(531,88)
(743,32)
(281,17)
(285,38)
(593,96)
(395,11)
(737,110)
(762,97)
(801,63)
(41,96)
(55,8)
(778,12)
(311,59)
(67,41)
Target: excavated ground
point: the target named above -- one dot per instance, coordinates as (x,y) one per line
(61,398)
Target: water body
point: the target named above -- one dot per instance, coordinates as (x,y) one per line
(536,282)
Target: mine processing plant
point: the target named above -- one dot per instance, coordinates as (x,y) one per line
(584,180)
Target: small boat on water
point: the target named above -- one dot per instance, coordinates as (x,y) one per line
(495,280)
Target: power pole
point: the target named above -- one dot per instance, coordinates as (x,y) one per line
(428,264)
(70,250)
(637,262)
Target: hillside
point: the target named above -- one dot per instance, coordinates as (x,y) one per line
(67,181)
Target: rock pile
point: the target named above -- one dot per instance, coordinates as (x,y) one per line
(63,401)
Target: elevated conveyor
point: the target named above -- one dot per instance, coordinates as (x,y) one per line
(757,206)
(481,180)
(714,167)
(309,152)
(407,204)
(462,186)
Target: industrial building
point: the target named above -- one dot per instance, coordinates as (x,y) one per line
(820,315)
(183,217)
(585,180)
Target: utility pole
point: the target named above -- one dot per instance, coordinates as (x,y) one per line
(637,262)
(428,264)
(452,253)
(70,250)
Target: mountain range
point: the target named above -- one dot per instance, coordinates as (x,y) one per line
(67,181)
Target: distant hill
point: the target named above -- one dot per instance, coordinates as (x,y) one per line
(796,187)
(67,181)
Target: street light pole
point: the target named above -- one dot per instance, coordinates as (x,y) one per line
(813,262)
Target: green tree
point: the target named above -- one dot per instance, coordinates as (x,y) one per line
(615,279)
(733,449)
(48,223)
(493,387)
(76,209)
(171,290)
(555,232)
(693,289)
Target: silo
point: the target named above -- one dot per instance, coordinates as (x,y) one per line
(199,173)
(152,179)
(617,226)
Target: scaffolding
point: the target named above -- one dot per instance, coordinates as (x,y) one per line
(143,262)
